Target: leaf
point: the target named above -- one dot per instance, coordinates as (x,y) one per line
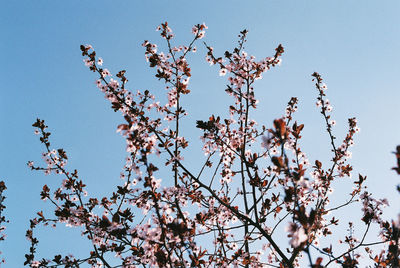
(318,164)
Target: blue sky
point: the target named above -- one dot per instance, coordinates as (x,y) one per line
(354,45)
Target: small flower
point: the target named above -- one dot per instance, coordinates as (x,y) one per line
(186,81)
(266,141)
(35,264)
(201,35)
(88,62)
(222,72)
(297,234)
(100,61)
(274,151)
(105,73)
(98,83)
(332,123)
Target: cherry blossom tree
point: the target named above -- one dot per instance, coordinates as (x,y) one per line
(256,201)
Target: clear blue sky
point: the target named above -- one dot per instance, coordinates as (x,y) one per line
(353,44)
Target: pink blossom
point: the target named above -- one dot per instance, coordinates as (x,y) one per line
(105,73)
(297,234)
(222,72)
